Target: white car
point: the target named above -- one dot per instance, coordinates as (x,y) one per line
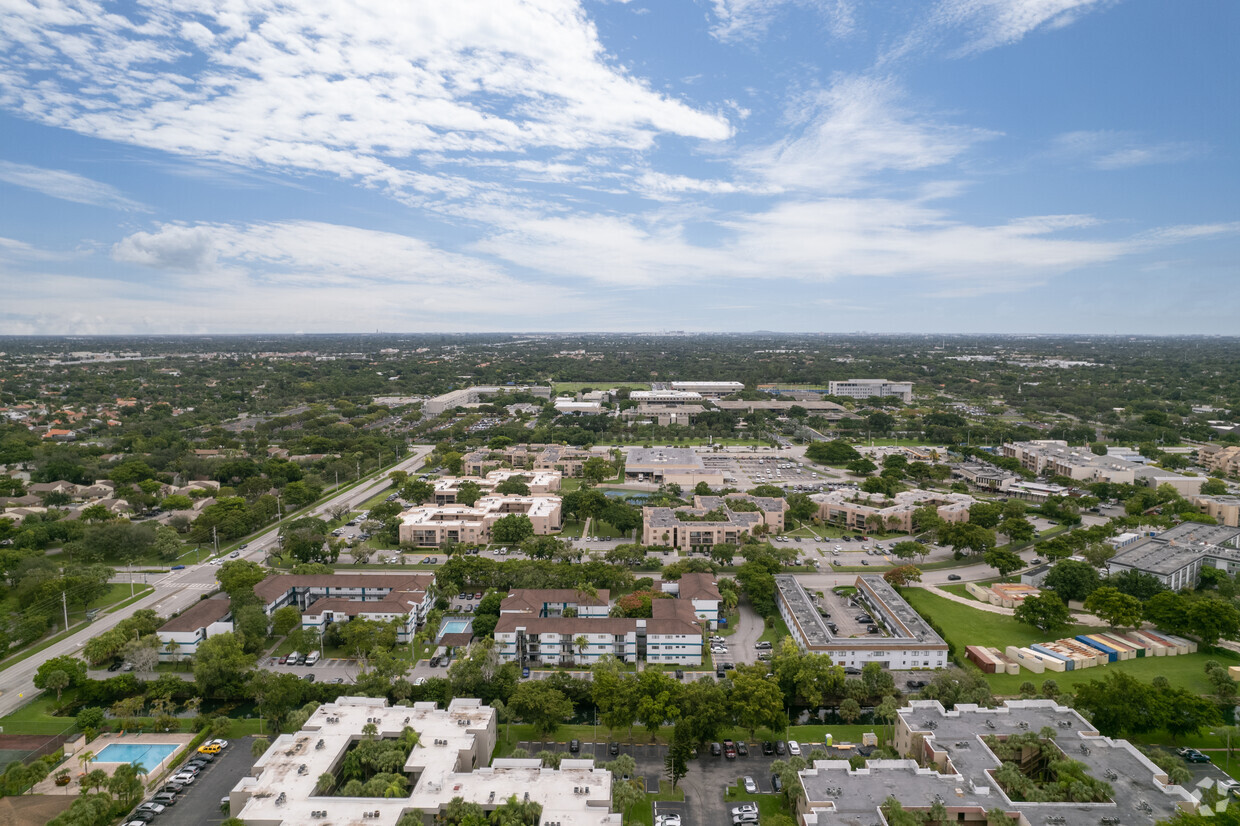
(747,817)
(750,788)
(745,808)
(794,747)
(667,820)
(221,743)
(184,778)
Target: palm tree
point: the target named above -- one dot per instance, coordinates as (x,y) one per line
(95,779)
(15,777)
(582,644)
(85,759)
(174,649)
(369,731)
(259,747)
(327,782)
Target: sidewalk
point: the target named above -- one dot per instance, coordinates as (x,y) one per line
(1083,619)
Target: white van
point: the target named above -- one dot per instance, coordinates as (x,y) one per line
(312,658)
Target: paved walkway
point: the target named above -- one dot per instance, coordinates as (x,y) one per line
(1083,619)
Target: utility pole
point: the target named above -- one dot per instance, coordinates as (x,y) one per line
(64,602)
(359,470)
(215,536)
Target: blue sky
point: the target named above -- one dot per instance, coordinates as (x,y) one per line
(802,165)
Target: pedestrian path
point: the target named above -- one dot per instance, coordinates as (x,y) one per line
(1083,619)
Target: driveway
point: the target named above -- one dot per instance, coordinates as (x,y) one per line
(199,805)
(749,626)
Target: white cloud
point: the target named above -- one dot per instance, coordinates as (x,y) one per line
(858,127)
(1109,150)
(988,24)
(738,19)
(67,186)
(338,86)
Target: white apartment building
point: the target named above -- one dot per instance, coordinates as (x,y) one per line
(203,619)
(1052,457)
(540,483)
(709,389)
(326,598)
(451,760)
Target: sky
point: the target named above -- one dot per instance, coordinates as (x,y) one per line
(963,166)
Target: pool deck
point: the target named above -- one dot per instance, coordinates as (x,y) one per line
(48,786)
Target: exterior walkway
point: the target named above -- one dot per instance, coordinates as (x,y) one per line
(1082,618)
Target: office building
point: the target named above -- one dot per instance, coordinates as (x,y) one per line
(1224,509)
(868,388)
(474,396)
(709,389)
(670,465)
(540,483)
(665,397)
(1176,556)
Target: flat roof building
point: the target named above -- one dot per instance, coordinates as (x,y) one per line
(709,389)
(1052,457)
(665,397)
(568,461)
(451,760)
(860,511)
(540,483)
(1225,509)
(951,763)
(828,410)
(671,465)
(904,640)
(468,396)
(1176,556)
(866,388)
(429,525)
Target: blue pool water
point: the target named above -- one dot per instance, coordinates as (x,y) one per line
(149,755)
(455,627)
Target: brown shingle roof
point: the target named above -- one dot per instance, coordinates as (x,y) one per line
(199,615)
(698,586)
(275,586)
(533,599)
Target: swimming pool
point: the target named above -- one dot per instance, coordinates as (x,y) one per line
(149,755)
(454,627)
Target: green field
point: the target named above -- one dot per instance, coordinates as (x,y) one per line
(969,626)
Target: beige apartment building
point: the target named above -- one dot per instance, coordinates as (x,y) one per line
(713,520)
(1052,457)
(1225,509)
(428,526)
(566,460)
(540,483)
(1220,457)
(861,511)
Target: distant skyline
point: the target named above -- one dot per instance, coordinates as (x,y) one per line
(950,166)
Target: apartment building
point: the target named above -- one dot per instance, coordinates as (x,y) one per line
(666,397)
(180,636)
(1224,509)
(452,760)
(948,763)
(568,461)
(698,527)
(567,627)
(1225,458)
(327,598)
(699,590)
(664,415)
(903,640)
(557,602)
(540,483)
(868,388)
(1052,457)
(429,525)
(860,511)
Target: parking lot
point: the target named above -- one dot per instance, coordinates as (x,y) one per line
(199,803)
(848,618)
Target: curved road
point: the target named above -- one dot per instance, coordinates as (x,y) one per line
(177,590)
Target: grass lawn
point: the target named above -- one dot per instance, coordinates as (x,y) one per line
(769,805)
(774,633)
(969,626)
(571,529)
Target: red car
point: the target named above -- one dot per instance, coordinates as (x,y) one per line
(729,749)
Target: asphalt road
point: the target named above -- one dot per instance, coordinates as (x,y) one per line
(199,804)
(174,592)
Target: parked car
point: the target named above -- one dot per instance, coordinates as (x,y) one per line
(217,742)
(165,798)
(613,749)
(667,820)
(715,749)
(750,788)
(794,748)
(768,748)
(742,749)
(1196,757)
(574,746)
(742,808)
(729,749)
(781,748)
(776,783)
(209,748)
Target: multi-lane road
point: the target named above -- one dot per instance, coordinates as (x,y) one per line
(177,590)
